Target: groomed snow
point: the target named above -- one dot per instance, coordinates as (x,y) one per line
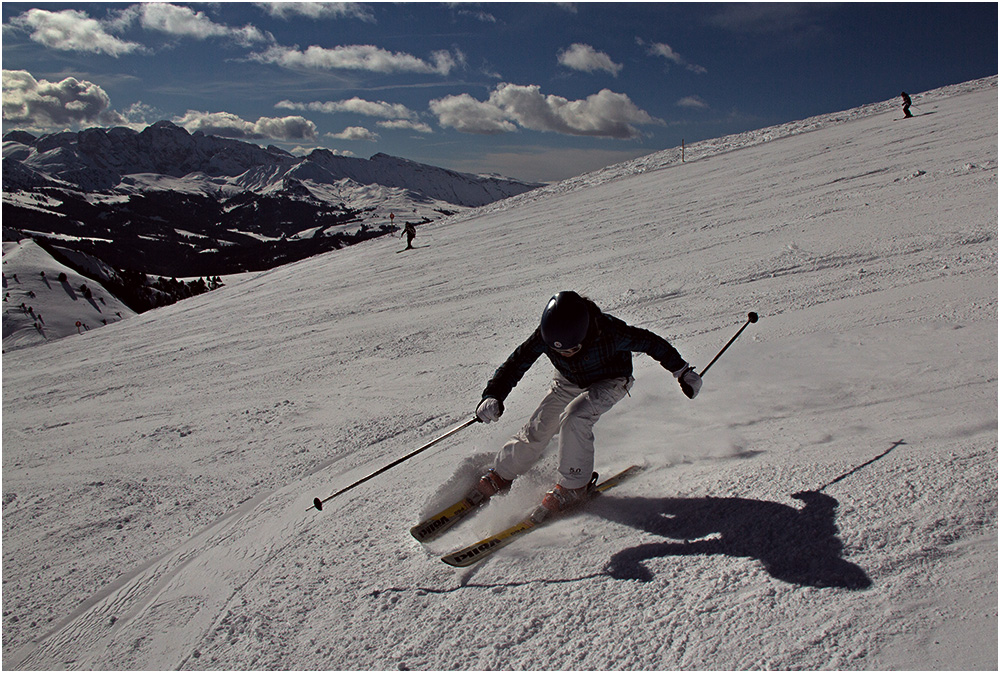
(829,501)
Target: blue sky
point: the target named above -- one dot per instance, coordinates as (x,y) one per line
(537,91)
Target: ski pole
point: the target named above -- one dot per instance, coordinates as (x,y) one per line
(751,317)
(318,504)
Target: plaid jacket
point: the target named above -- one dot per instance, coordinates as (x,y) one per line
(607,354)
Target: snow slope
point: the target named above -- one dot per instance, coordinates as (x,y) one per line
(828,501)
(52,308)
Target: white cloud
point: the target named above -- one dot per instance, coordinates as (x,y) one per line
(353,105)
(302,151)
(319,10)
(139,115)
(355,133)
(223,124)
(405,124)
(605,114)
(468,115)
(228,125)
(39,104)
(358,57)
(286,128)
(478,15)
(666,51)
(586,58)
(182,21)
(72,30)
(692,101)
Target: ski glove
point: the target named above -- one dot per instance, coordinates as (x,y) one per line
(489,410)
(690,381)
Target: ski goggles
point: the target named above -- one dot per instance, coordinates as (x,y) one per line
(569,352)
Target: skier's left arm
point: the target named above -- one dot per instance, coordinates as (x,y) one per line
(640,340)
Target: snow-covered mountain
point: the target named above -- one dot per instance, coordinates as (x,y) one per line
(829,500)
(169,202)
(45,300)
(100,159)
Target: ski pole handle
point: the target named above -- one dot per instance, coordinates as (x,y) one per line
(751,318)
(318,504)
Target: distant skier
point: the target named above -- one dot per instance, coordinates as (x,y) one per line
(410,232)
(592,355)
(906,105)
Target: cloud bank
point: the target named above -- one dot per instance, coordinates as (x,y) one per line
(40,104)
(358,57)
(181,21)
(353,105)
(605,114)
(74,30)
(319,10)
(71,30)
(228,125)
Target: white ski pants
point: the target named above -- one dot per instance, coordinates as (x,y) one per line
(572,412)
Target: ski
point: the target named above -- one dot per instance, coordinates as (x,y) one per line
(434,526)
(477,551)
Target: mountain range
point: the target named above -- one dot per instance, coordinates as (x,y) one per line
(169,202)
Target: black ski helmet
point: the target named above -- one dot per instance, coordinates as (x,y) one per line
(565,321)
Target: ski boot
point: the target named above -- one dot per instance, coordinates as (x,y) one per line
(489,485)
(561,499)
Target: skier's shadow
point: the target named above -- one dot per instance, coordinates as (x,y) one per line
(799,546)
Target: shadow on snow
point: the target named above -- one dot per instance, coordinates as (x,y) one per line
(799,546)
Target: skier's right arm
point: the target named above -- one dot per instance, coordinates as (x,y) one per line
(513,369)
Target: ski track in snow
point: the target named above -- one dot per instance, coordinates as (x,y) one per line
(829,500)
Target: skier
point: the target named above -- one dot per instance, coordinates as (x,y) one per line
(411,233)
(906,105)
(592,355)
